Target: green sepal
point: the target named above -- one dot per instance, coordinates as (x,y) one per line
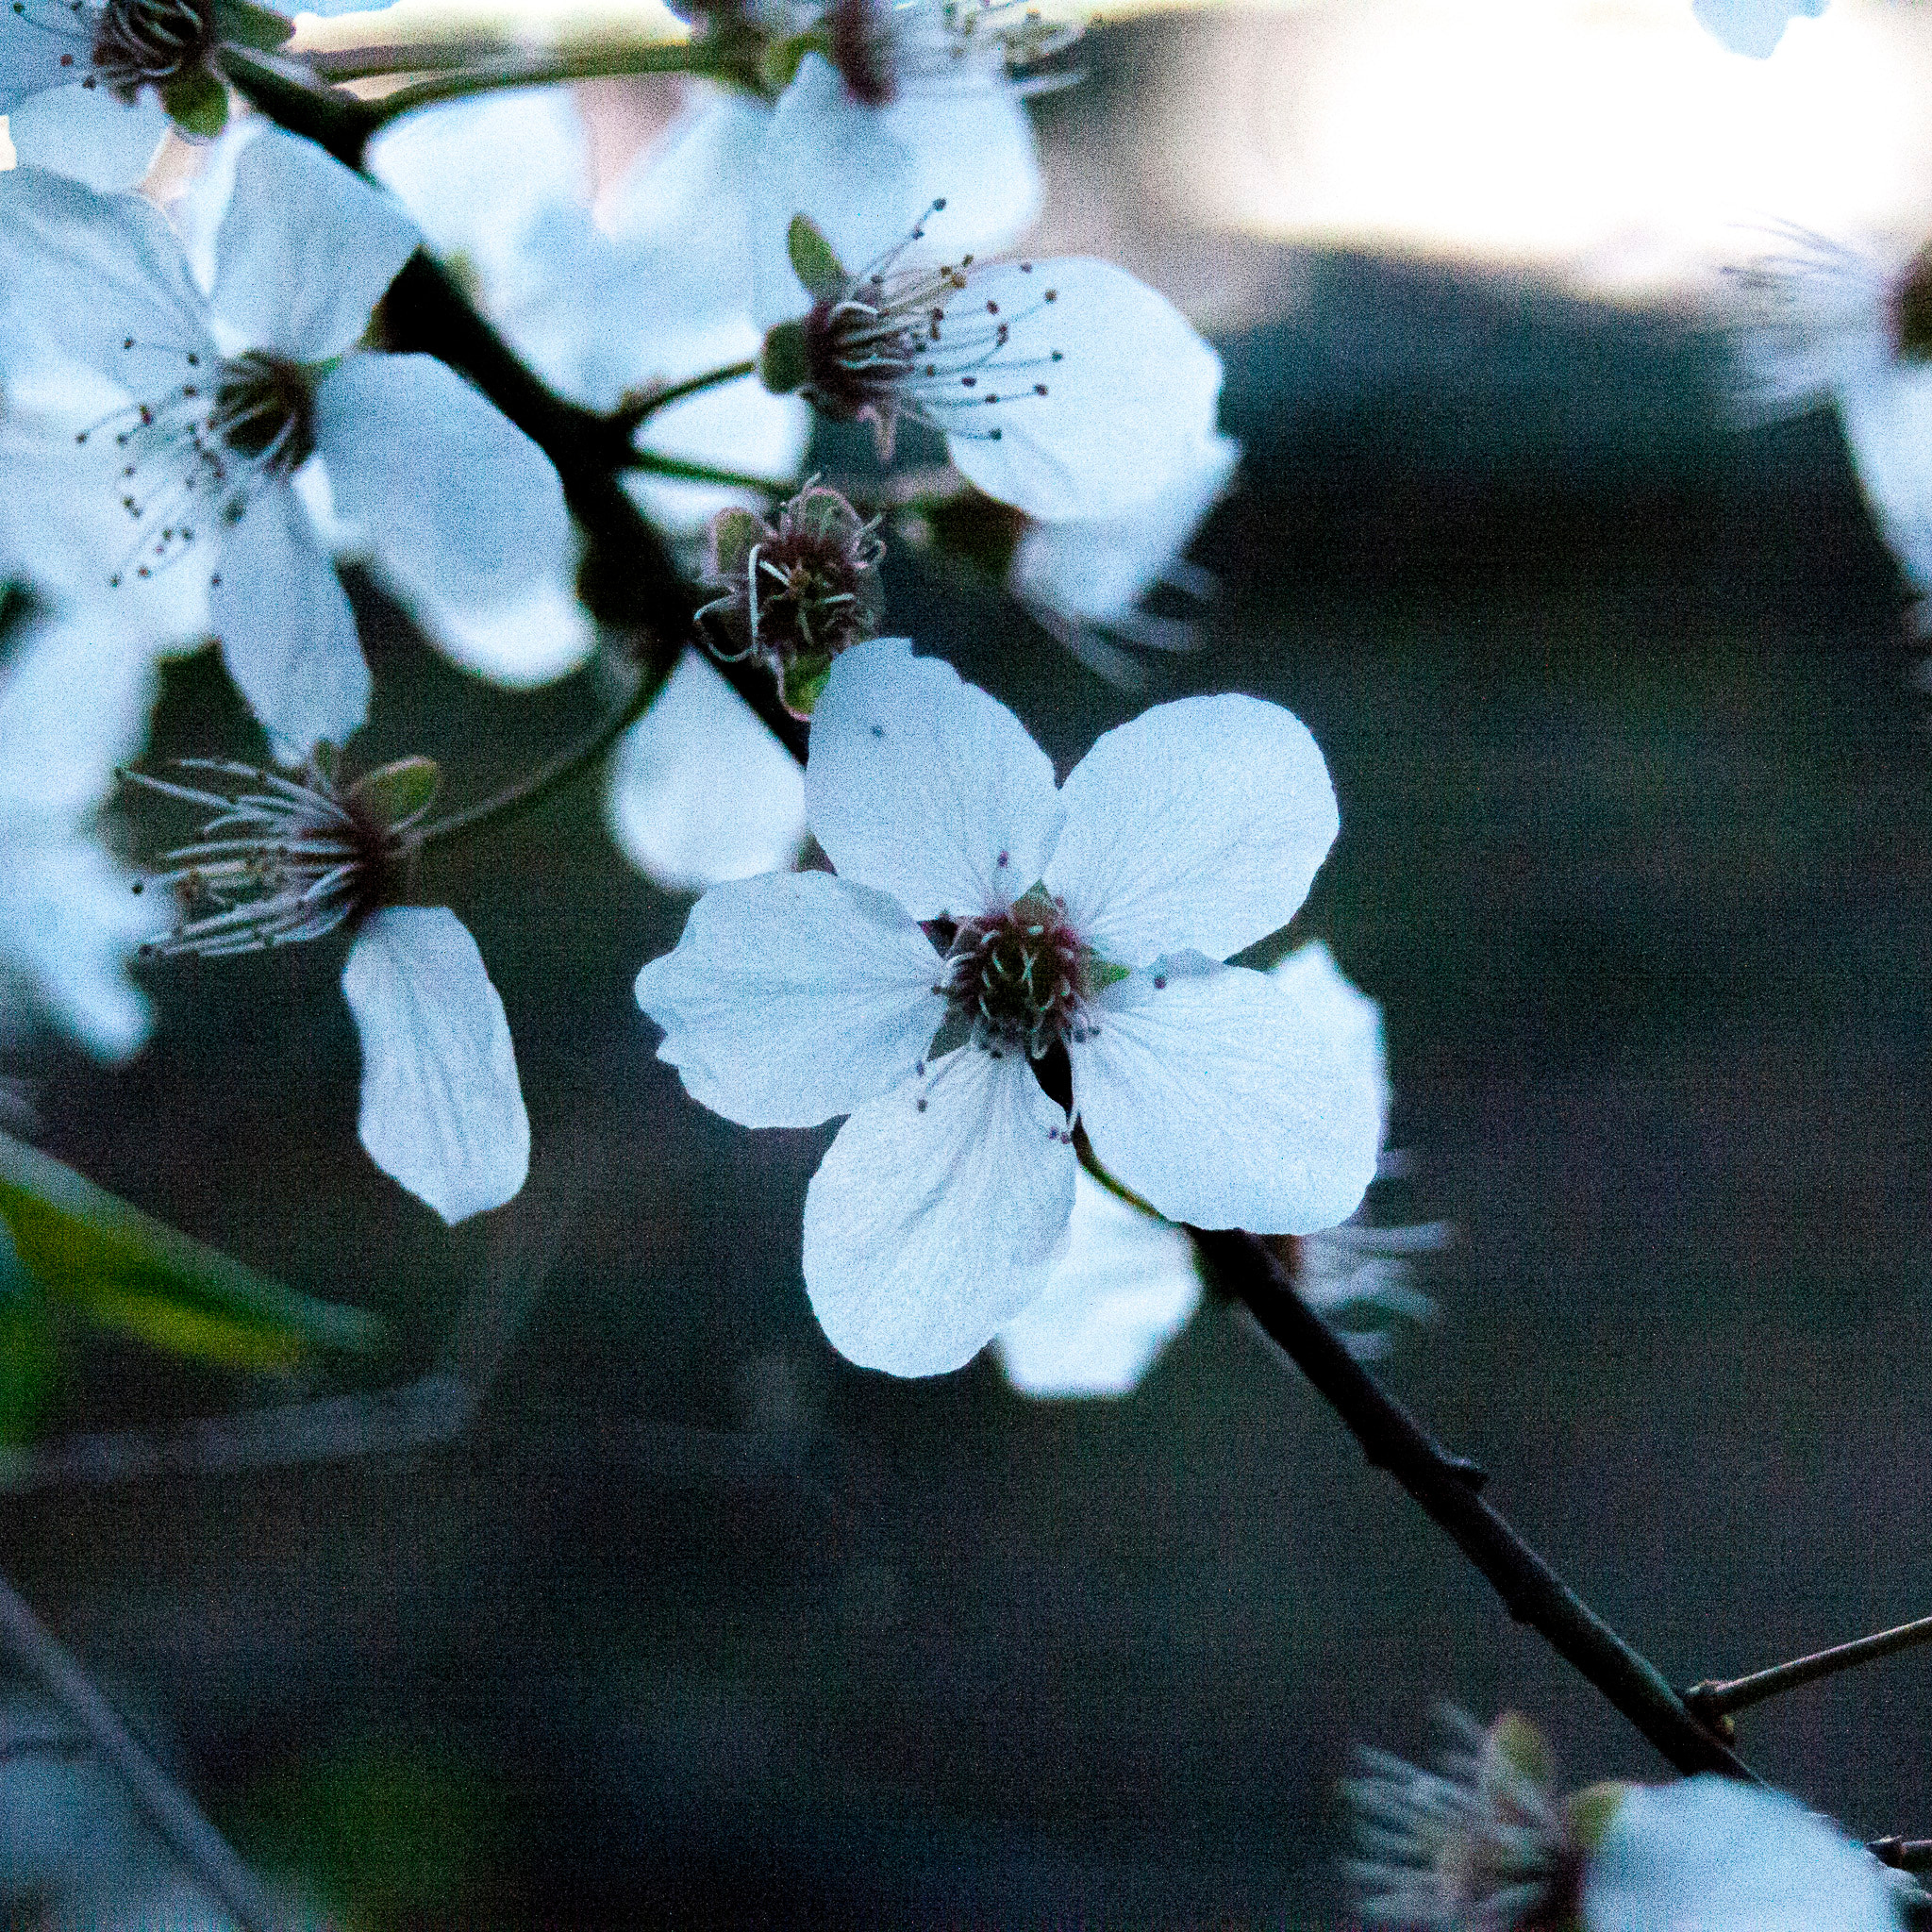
(1590,1812)
(396,795)
(197,102)
(780,63)
(975,529)
(103,1259)
(805,679)
(813,262)
(1524,1748)
(735,533)
(242,24)
(784,361)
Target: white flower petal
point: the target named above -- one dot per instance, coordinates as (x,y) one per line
(1752,26)
(1199,826)
(74,704)
(937,1214)
(865,177)
(1334,1004)
(528,640)
(37,55)
(1711,1855)
(793,997)
(86,133)
(441,1111)
(1220,1099)
(69,924)
(1122,1291)
(83,274)
(287,635)
(699,791)
(1888,422)
(1128,402)
(477,175)
(921,784)
(303,288)
(1095,572)
(687,199)
(455,502)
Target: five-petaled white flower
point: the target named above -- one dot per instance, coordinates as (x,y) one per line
(227,397)
(988,934)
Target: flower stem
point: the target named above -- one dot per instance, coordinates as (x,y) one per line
(1446,1486)
(652,464)
(448,53)
(1715,1700)
(167,1806)
(647,405)
(531,791)
(537,71)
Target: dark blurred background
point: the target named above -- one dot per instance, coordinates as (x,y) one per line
(699,1625)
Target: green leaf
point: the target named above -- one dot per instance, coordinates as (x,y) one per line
(785,361)
(813,262)
(28,1361)
(90,1252)
(197,102)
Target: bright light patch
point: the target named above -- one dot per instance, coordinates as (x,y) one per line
(1614,139)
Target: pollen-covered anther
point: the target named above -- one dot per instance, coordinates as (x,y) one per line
(143,44)
(287,856)
(1020,979)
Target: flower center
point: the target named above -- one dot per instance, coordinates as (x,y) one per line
(143,44)
(1020,979)
(204,444)
(895,341)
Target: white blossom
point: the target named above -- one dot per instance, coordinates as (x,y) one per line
(72,704)
(1083,922)
(1064,387)
(1128,1282)
(288,858)
(1711,1855)
(226,398)
(1753,26)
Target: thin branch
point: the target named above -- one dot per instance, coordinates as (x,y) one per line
(1446,1486)
(652,401)
(166,1806)
(1715,1700)
(461,83)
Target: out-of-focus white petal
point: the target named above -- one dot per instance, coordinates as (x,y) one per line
(1753,26)
(1198,825)
(477,175)
(86,133)
(454,500)
(287,634)
(926,786)
(793,997)
(37,56)
(530,639)
(699,791)
(1327,1000)
(865,176)
(69,924)
(82,275)
(1125,1288)
(1711,1855)
(937,1214)
(1130,392)
(1096,571)
(1888,422)
(74,704)
(443,1111)
(303,288)
(1220,1099)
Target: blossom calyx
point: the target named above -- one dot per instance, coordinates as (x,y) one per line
(795,593)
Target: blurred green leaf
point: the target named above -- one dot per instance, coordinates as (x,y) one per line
(28,1361)
(90,1252)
